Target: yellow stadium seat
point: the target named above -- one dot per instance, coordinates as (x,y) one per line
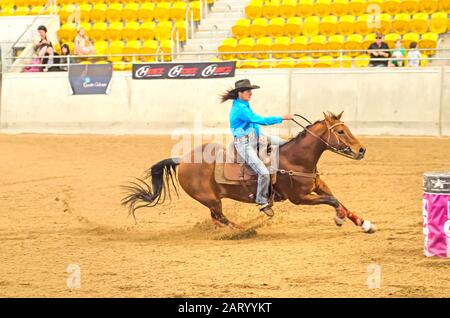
(439,22)
(281,43)
(98,31)
(287,8)
(408,38)
(286,62)
(311,26)
(423,60)
(362,24)
(245,45)
(340,7)
(113,12)
(102,62)
(264,64)
(271,9)
(428,6)
(262,45)
(228,45)
(248,64)
(165,47)
(85,62)
(324,61)
(444,5)
(299,43)
(145,12)
(101,47)
(23,10)
(258,28)
(119,66)
(180,26)
(322,8)
(392,7)
(304,62)
(85,12)
(149,47)
(317,43)
(132,47)
(357,7)
(7,11)
(346,25)
(275,27)
(334,43)
(241,29)
(130,12)
(328,25)
(304,8)
(353,42)
(374,6)
(391,38)
(368,40)
(7,3)
(428,41)
(114,31)
(98,12)
(385,23)
(36,11)
(115,47)
(146,31)
(419,23)
(362,60)
(401,23)
(410,6)
(254,9)
(178,11)
(344,61)
(130,31)
(163,30)
(67,32)
(292,27)
(66,14)
(195,7)
(162,10)
(86,26)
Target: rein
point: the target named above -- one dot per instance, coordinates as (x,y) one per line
(330,130)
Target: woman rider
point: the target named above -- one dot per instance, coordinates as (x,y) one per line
(244,124)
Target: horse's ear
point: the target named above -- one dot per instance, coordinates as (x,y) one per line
(325,115)
(327,118)
(338,117)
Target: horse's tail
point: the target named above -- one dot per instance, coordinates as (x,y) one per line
(142,194)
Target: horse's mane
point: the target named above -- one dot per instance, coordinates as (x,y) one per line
(302,134)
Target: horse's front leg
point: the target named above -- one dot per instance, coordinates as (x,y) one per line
(341,211)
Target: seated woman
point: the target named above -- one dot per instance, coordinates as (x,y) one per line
(83,45)
(65,58)
(44,48)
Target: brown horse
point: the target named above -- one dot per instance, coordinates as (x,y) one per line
(297,178)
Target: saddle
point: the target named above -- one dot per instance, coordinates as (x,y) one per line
(230,168)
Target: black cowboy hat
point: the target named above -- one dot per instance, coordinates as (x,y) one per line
(243,85)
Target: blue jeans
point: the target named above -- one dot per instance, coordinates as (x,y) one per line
(247,149)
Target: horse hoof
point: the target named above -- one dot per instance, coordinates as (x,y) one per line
(339,221)
(368,227)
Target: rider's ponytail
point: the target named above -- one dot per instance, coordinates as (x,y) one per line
(229,94)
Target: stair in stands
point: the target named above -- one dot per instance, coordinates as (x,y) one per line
(444,43)
(213,29)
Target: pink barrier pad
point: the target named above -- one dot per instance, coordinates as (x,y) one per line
(436,224)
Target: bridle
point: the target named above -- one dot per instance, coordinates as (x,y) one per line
(339,151)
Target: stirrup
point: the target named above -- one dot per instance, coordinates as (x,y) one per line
(266,209)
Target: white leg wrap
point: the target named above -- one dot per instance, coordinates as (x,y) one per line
(366,226)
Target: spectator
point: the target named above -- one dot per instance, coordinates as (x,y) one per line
(65,58)
(44,48)
(83,45)
(413,55)
(378,51)
(399,53)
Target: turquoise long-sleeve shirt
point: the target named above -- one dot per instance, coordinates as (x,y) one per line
(244,121)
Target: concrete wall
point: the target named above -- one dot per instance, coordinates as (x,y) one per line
(375,102)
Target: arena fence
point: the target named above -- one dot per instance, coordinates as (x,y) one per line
(375,101)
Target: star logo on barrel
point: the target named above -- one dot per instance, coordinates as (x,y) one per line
(439,184)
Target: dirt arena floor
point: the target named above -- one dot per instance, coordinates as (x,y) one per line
(60,205)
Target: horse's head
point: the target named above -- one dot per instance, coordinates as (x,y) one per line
(341,138)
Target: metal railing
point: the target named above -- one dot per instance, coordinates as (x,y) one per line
(271,57)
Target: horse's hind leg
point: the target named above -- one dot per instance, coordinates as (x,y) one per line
(218,218)
(341,211)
